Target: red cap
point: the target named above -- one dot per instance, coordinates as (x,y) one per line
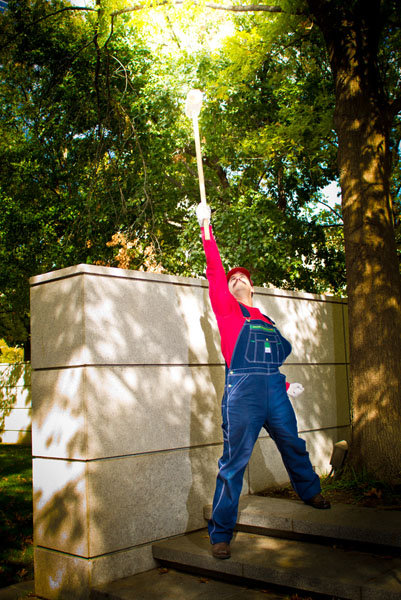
(239,270)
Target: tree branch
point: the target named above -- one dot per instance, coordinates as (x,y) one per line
(395,107)
(116,13)
(248,8)
(213,164)
(97,73)
(84,8)
(28,25)
(218,169)
(331,208)
(231,7)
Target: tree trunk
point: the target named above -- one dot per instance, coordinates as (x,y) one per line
(373,273)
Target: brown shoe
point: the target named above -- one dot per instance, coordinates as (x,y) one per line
(318,502)
(221,550)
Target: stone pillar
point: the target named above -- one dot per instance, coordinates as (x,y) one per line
(126,386)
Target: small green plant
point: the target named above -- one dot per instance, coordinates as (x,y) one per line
(361,486)
(9,354)
(352,487)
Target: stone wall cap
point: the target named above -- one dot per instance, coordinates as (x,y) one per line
(299,295)
(102,271)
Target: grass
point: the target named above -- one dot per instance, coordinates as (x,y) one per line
(360,489)
(16,550)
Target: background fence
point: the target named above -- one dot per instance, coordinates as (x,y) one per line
(15,403)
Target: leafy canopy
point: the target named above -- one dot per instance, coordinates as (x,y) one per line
(98,157)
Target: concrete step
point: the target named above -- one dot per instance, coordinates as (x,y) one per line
(169,584)
(305,566)
(18,591)
(264,555)
(343,522)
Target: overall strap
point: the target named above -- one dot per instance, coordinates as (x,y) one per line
(247,314)
(269,318)
(244,310)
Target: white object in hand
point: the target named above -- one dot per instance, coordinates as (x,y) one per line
(203,213)
(295,389)
(193,103)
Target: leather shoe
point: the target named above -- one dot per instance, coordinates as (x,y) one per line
(318,502)
(221,550)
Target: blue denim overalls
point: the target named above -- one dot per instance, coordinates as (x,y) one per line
(255,396)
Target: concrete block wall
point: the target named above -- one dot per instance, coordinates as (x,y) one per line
(126,384)
(15,403)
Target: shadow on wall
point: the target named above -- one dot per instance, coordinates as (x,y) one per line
(133,407)
(319,360)
(206,437)
(128,380)
(15,393)
(317,331)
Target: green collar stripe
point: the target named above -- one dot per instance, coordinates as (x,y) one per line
(261,327)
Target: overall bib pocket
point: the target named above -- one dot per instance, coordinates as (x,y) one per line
(264,346)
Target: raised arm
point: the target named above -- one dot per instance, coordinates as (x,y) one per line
(223,303)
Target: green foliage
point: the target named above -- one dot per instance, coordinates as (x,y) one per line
(269,149)
(95,143)
(282,118)
(352,487)
(84,134)
(16,548)
(364,487)
(10,355)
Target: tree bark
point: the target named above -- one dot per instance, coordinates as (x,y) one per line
(362,122)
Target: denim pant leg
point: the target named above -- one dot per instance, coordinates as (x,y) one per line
(241,427)
(282,427)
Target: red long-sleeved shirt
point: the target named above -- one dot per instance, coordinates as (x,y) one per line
(225,307)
